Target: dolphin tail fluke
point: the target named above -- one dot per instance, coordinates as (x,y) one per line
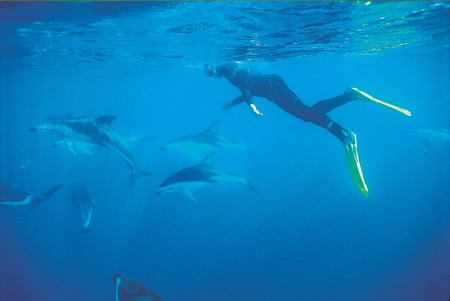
(38,200)
(136,174)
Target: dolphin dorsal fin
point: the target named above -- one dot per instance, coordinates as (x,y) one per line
(213,128)
(207,160)
(106,119)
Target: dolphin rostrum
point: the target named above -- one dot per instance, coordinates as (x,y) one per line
(13,197)
(197,145)
(80,133)
(197,176)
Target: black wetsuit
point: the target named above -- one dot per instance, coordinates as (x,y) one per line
(273,87)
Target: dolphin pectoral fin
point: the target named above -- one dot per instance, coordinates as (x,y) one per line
(85,147)
(188,193)
(136,174)
(207,160)
(71,146)
(76,146)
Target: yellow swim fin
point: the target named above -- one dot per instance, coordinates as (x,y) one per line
(364,96)
(353,165)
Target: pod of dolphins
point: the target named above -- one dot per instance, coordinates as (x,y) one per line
(83,134)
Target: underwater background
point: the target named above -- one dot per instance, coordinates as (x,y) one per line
(308,233)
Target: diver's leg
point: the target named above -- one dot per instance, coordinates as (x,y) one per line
(349,141)
(352,94)
(329,104)
(295,107)
(347,138)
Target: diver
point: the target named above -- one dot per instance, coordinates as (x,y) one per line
(272,87)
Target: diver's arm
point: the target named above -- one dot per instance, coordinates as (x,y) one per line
(247,97)
(234,102)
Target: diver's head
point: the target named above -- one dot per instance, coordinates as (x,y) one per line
(211,70)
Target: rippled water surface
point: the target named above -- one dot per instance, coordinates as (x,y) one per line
(61,35)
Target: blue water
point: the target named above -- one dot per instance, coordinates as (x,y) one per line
(308,233)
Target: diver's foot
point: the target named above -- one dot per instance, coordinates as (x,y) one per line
(354,167)
(357,94)
(350,137)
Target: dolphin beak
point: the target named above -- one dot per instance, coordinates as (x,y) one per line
(158,192)
(33,129)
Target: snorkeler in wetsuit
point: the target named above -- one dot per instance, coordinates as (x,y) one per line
(271,86)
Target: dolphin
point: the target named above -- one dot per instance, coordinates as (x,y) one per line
(83,132)
(129,290)
(197,176)
(75,147)
(432,136)
(13,197)
(198,144)
(83,204)
(86,147)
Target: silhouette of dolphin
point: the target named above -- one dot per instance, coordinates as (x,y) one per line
(83,204)
(129,290)
(13,197)
(432,136)
(82,131)
(197,176)
(198,144)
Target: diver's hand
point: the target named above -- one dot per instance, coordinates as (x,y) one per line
(227,106)
(256,111)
